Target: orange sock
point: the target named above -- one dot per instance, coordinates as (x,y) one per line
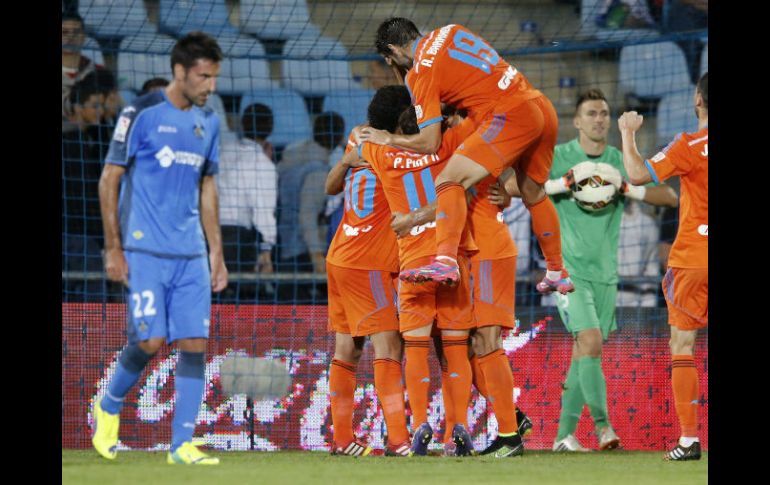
(478,377)
(390,392)
(451,212)
(545,225)
(497,374)
(417,374)
(459,370)
(684,380)
(342,386)
(449,411)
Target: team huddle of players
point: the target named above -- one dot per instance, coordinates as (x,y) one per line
(422,251)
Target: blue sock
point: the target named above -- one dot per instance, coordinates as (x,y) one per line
(130,366)
(190,371)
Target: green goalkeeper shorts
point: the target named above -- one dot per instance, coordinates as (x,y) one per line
(591,305)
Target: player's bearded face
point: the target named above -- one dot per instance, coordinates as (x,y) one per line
(399,57)
(200,81)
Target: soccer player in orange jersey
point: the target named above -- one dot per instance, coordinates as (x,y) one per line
(517,126)
(362,265)
(408,183)
(493,270)
(685,284)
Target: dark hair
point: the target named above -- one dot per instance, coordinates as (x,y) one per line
(70,15)
(156,82)
(386,106)
(328,129)
(105,80)
(397,31)
(257,121)
(87,87)
(594,94)
(703,89)
(193,46)
(407,121)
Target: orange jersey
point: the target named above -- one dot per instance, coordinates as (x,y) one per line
(364,239)
(408,181)
(453,65)
(485,220)
(687,156)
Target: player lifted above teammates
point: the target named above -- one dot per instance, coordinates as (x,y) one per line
(686,282)
(362,266)
(163,156)
(517,126)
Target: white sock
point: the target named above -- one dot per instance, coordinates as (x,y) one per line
(553,275)
(687,442)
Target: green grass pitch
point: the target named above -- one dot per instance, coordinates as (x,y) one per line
(296,467)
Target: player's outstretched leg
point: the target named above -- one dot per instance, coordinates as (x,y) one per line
(107,410)
(190,373)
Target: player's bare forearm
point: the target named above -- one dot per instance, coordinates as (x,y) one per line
(428,140)
(335,181)
(425,214)
(109,188)
(210,215)
(662,195)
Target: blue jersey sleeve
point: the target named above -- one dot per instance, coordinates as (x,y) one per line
(212,158)
(124,140)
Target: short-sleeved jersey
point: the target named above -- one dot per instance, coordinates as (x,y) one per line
(364,239)
(166,151)
(453,65)
(489,230)
(408,181)
(688,156)
(589,240)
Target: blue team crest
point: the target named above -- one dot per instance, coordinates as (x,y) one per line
(199,132)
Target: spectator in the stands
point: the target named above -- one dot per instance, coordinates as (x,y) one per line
(302,196)
(82,155)
(247,183)
(638,256)
(113,102)
(152,85)
(74,66)
(380,74)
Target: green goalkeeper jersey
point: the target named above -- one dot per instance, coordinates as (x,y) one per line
(589,240)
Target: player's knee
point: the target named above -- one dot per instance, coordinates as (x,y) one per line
(681,347)
(485,340)
(590,343)
(387,346)
(151,346)
(134,358)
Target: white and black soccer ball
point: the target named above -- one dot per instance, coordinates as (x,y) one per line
(591,191)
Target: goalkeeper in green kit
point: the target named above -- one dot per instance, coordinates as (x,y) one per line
(590,246)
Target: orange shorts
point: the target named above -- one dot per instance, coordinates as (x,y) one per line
(361,302)
(494,291)
(419,304)
(523,137)
(687,297)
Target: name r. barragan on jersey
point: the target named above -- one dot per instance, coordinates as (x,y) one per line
(436,45)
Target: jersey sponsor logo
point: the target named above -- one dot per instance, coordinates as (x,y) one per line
(660,156)
(166,129)
(508,76)
(355,231)
(418,111)
(121,128)
(703,230)
(166,156)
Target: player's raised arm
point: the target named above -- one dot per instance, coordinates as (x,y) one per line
(629,123)
(428,140)
(210,220)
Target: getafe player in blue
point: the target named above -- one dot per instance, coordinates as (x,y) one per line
(162,158)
